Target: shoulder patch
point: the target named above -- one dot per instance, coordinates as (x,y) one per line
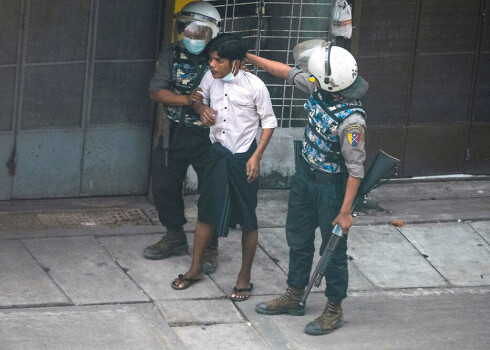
(354,128)
(354,137)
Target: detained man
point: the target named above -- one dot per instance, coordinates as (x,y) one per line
(234,102)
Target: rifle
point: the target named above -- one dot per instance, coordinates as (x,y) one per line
(164,124)
(382,167)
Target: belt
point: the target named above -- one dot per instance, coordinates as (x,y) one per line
(321,177)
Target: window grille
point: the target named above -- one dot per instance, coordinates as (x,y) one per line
(272,29)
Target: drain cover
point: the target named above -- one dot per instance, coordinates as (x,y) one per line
(74,219)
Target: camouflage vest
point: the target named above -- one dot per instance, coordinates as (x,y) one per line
(321,146)
(187,72)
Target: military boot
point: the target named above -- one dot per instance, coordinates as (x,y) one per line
(287,303)
(330,319)
(211,257)
(174,242)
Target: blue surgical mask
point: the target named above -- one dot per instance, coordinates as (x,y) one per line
(230,76)
(195,47)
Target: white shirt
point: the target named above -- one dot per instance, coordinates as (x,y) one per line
(239,105)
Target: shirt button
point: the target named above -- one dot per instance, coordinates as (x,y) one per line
(225,120)
(226,94)
(223,132)
(226,107)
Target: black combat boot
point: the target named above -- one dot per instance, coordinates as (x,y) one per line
(330,319)
(287,303)
(173,242)
(211,257)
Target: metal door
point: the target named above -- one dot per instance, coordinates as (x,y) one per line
(427,62)
(75,116)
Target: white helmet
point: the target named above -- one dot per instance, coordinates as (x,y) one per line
(333,67)
(199,22)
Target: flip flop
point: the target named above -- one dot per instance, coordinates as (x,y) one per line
(181,279)
(241,290)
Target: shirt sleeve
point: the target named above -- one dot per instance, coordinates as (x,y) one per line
(300,79)
(264,106)
(352,137)
(162,77)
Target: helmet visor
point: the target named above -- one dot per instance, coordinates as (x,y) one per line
(193,29)
(305,50)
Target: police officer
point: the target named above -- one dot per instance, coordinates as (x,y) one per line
(174,84)
(328,175)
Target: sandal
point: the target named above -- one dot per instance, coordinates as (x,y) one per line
(176,283)
(241,290)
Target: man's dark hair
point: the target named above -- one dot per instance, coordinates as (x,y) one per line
(229,46)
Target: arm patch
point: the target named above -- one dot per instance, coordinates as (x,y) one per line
(354,134)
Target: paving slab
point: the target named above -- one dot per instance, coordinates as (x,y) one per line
(155,276)
(84,270)
(22,280)
(188,312)
(455,250)
(267,277)
(221,336)
(439,321)
(429,211)
(403,191)
(388,260)
(273,242)
(483,229)
(128,327)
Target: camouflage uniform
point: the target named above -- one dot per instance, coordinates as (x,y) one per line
(180,72)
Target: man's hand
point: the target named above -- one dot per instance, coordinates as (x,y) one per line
(194,97)
(253,168)
(345,221)
(243,66)
(208,115)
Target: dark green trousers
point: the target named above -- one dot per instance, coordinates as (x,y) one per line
(315,202)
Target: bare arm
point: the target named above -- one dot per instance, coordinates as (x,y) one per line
(253,164)
(170,98)
(275,68)
(344,219)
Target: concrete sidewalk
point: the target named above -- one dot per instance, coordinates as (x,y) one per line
(72,276)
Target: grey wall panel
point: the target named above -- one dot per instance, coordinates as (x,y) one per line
(482,91)
(7,92)
(448,25)
(6,146)
(53,96)
(387,27)
(57,30)
(9,30)
(386,101)
(127,29)
(436,149)
(120,93)
(116,161)
(479,162)
(441,88)
(48,164)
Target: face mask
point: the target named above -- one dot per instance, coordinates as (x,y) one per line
(195,47)
(230,76)
(329,98)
